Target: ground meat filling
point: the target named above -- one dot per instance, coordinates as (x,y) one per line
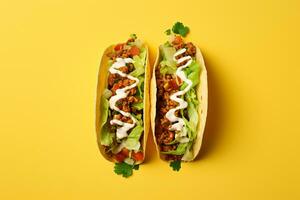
(115,81)
(167,85)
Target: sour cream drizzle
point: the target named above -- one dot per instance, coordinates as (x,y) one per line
(120,94)
(178,126)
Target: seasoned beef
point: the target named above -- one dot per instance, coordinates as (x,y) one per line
(167,85)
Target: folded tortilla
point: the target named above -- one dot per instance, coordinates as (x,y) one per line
(202,96)
(102,85)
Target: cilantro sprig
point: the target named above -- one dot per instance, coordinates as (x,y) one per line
(133,36)
(176,165)
(168,32)
(125,169)
(178,28)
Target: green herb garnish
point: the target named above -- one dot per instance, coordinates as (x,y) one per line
(133,36)
(180,29)
(168,32)
(176,165)
(125,169)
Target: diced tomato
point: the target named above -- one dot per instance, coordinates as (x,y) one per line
(139,156)
(116,86)
(119,47)
(173,84)
(177,40)
(120,157)
(134,50)
(125,152)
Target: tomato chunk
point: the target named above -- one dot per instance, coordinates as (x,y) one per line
(119,47)
(177,40)
(115,87)
(120,157)
(134,50)
(125,152)
(139,156)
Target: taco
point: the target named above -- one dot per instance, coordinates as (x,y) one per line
(122,108)
(178,100)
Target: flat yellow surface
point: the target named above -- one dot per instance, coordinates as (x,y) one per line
(49,57)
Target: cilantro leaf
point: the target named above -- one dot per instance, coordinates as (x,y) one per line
(133,36)
(176,165)
(168,32)
(180,29)
(125,169)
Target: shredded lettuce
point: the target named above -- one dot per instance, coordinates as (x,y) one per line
(192,111)
(138,72)
(181,149)
(107,93)
(167,65)
(139,63)
(133,140)
(139,119)
(143,55)
(138,106)
(110,62)
(106,137)
(139,67)
(165,68)
(140,87)
(189,154)
(193,72)
(192,121)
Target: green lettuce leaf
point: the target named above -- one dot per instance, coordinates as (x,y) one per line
(143,55)
(106,137)
(167,65)
(132,142)
(139,119)
(191,99)
(192,121)
(138,106)
(139,63)
(192,72)
(139,67)
(140,88)
(189,154)
(180,150)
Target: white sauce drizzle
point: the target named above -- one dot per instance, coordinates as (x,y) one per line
(120,94)
(178,126)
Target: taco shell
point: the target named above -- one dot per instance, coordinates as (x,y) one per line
(102,84)
(202,96)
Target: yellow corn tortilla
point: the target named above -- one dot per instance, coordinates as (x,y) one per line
(202,96)
(102,84)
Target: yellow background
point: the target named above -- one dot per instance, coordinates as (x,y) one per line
(49,58)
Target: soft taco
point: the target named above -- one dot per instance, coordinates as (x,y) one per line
(178,100)
(122,109)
